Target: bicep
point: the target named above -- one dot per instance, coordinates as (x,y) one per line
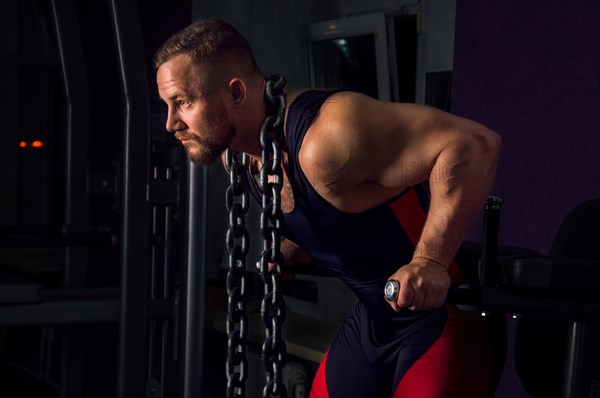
(401,143)
(360,139)
(390,144)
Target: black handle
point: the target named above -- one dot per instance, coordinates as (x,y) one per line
(462,295)
(489,241)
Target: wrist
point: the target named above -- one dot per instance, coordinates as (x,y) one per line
(434,253)
(429,260)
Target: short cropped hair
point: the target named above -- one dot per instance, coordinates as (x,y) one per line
(204,41)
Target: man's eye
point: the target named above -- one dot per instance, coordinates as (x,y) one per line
(184,102)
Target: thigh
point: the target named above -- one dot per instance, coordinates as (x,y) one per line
(345,371)
(458,364)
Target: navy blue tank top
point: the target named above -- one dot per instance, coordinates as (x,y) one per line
(362,249)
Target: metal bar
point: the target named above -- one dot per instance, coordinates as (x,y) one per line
(193,328)
(60,312)
(104,239)
(579,334)
(489,253)
(166,294)
(76,205)
(76,99)
(153,277)
(495,299)
(167,231)
(134,227)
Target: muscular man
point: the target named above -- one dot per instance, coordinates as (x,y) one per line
(353,201)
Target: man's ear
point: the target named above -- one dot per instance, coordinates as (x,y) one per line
(238,91)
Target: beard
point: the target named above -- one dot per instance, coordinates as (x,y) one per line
(217,136)
(206,151)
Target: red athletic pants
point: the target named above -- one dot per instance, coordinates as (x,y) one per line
(457,365)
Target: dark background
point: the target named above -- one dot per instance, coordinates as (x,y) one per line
(529,70)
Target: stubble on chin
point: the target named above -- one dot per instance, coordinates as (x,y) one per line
(200,155)
(206,153)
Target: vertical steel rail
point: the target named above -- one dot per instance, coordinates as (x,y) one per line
(135,213)
(489,254)
(192,341)
(166,280)
(76,206)
(153,278)
(578,348)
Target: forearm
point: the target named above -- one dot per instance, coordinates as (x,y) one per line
(460,181)
(293,253)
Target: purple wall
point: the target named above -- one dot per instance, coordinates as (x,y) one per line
(530,70)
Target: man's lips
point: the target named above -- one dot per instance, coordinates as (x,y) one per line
(183,138)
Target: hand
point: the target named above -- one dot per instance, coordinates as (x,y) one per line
(423,284)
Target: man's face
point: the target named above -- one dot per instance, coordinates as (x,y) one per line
(196,111)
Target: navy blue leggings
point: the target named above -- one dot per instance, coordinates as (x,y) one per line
(444,354)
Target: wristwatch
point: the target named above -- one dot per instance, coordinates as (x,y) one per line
(391,290)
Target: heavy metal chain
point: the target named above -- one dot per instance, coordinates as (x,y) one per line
(273,304)
(271,182)
(237,202)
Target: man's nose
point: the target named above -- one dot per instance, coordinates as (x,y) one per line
(173,123)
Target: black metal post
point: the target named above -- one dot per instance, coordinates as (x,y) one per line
(135,213)
(193,284)
(76,207)
(575,362)
(489,251)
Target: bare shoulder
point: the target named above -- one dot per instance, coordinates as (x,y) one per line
(355,138)
(331,150)
(343,124)
(346,106)
(360,151)
(369,126)
(326,139)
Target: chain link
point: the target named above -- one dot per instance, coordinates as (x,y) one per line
(273,304)
(271,181)
(237,201)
